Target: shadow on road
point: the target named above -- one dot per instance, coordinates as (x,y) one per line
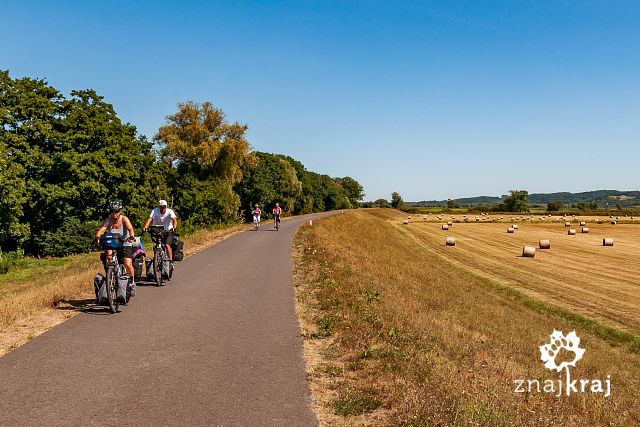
(83,305)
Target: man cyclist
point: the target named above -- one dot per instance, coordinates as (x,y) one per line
(276,211)
(166,217)
(256,215)
(116,223)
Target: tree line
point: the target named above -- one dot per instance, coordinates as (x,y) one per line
(62,159)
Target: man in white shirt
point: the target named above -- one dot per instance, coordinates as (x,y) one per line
(166,217)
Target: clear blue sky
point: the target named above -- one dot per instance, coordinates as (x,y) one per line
(432,99)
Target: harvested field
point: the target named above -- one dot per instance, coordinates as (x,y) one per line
(399,331)
(578,273)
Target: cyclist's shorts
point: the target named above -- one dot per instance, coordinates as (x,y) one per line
(125,251)
(256,218)
(276,216)
(169,237)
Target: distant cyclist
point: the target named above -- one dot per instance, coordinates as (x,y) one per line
(276,211)
(256,216)
(162,215)
(116,223)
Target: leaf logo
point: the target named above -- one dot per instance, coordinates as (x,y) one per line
(570,342)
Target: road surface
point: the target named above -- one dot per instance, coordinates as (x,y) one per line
(219,345)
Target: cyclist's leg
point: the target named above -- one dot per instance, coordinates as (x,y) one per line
(168,242)
(127,260)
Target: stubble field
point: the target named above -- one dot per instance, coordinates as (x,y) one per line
(577,272)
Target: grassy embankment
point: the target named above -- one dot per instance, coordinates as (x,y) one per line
(396,334)
(39,293)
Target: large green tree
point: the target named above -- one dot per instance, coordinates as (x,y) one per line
(517,201)
(71,156)
(208,155)
(352,189)
(396,200)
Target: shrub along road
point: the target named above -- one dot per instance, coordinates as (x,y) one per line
(219,345)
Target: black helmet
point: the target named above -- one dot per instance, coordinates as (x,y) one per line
(115,206)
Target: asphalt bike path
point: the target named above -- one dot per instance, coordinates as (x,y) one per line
(218,345)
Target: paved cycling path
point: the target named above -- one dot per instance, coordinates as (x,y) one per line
(219,345)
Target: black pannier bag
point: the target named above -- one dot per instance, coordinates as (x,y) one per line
(178,250)
(137,266)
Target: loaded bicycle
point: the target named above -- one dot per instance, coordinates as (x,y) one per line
(161,267)
(115,272)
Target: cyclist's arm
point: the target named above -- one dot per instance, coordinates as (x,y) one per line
(102,229)
(127,223)
(175,222)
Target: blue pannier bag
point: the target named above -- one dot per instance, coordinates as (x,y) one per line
(110,241)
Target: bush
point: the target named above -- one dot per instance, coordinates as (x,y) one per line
(73,237)
(9,259)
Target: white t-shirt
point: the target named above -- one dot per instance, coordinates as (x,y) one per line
(158,218)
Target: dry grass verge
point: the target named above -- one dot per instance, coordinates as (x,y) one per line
(36,299)
(401,336)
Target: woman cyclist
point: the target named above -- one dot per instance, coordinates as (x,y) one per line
(116,223)
(256,216)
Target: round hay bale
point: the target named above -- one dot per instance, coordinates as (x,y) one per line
(510,230)
(529,252)
(607,241)
(598,221)
(567,224)
(585,230)
(449,223)
(545,244)
(515,226)
(582,223)
(451,241)
(613,222)
(405,222)
(571,232)
(445,227)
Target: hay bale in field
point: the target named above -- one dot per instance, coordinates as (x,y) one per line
(613,222)
(451,241)
(545,244)
(511,230)
(607,241)
(445,227)
(514,226)
(585,229)
(582,223)
(567,224)
(529,252)
(408,217)
(449,223)
(405,222)
(571,232)
(598,221)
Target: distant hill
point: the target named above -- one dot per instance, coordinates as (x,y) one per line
(604,198)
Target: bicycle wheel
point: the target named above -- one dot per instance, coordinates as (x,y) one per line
(112,289)
(157,266)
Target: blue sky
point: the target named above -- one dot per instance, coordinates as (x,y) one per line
(432,99)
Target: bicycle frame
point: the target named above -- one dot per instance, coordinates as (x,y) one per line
(158,234)
(113,269)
